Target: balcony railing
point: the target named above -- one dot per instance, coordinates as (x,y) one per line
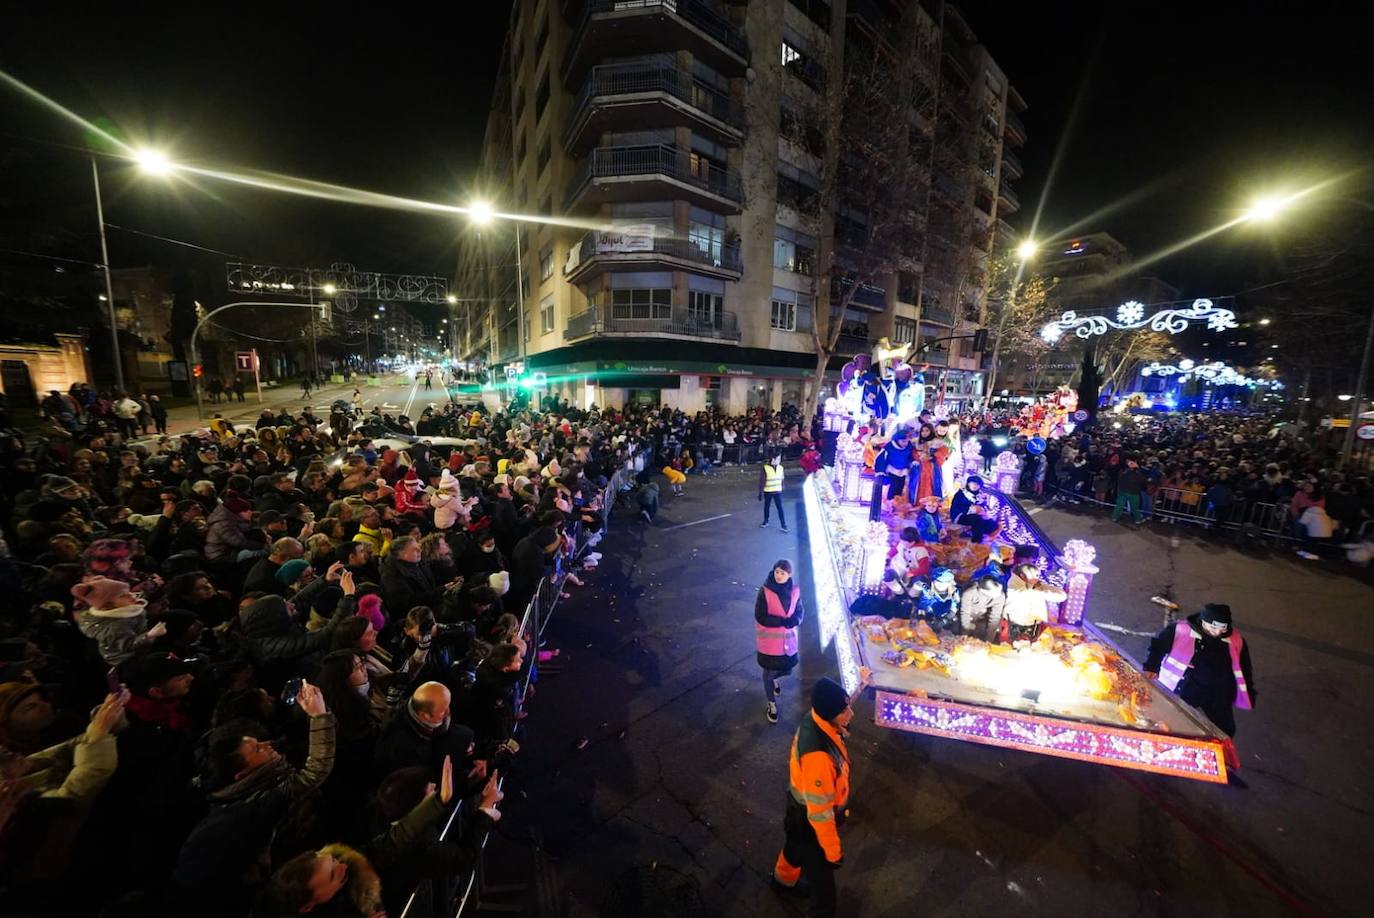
(1010,197)
(626,79)
(720,256)
(655,159)
(853,344)
(937,314)
(603,318)
(698,13)
(1014,161)
(1015,125)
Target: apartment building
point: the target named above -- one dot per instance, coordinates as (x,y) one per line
(665,141)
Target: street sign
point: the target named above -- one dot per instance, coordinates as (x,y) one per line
(512,372)
(245,361)
(1365,431)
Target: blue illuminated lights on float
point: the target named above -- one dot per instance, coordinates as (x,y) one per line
(1070,693)
(1131,316)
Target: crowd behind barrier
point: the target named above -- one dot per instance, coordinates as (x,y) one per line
(281,620)
(1253,476)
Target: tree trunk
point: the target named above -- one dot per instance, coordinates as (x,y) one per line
(813,389)
(992,371)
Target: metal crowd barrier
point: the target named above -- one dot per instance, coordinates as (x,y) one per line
(1177,505)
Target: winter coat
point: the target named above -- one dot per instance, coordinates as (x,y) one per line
(262,577)
(527,566)
(1028,603)
(77,769)
(1209,684)
(980,612)
(225,535)
(489,708)
(121,633)
(403,745)
(280,642)
(446,505)
(406,585)
(226,856)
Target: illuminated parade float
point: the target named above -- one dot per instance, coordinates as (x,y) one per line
(1062,689)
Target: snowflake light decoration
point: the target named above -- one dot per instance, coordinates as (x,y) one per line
(1130,313)
(1131,316)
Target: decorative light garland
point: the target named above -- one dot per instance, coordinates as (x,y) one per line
(1131,316)
(1215,373)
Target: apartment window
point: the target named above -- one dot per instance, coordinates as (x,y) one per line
(793,250)
(706,231)
(791,311)
(818,11)
(542,157)
(798,62)
(904,331)
(546,315)
(798,188)
(705,307)
(642,303)
(541,97)
(546,263)
(802,130)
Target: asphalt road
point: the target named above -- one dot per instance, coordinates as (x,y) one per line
(681,780)
(398,394)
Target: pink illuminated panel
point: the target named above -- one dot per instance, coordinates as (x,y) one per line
(1201,760)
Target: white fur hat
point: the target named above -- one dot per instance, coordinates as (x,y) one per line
(500,582)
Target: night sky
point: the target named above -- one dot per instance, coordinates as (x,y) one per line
(1180,116)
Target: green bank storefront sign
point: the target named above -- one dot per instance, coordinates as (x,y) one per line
(606,370)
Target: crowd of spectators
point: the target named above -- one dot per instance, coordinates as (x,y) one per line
(248,671)
(1212,465)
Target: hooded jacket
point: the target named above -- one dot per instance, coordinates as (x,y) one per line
(120,632)
(225,534)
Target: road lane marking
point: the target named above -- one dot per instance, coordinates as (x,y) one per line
(1034,510)
(697,522)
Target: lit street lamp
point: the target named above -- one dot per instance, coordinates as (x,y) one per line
(481,213)
(152,162)
(1026,250)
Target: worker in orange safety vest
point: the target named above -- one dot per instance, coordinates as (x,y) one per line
(817,798)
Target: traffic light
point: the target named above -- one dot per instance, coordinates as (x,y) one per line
(980,341)
(197,371)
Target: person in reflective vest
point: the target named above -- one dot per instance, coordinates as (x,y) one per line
(770,489)
(777,615)
(817,798)
(1204,661)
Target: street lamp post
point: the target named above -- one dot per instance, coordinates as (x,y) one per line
(109,287)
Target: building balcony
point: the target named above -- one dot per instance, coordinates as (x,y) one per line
(1011,164)
(654,173)
(637,96)
(598,252)
(866,297)
(853,344)
(1015,130)
(1005,234)
(613,28)
(603,320)
(937,314)
(1007,200)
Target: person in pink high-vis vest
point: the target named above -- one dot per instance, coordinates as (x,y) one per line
(777,616)
(1204,661)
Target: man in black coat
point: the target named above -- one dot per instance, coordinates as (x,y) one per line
(253,793)
(505,522)
(421,733)
(490,706)
(531,558)
(262,577)
(407,580)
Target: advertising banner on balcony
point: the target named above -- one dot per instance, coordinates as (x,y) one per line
(638,237)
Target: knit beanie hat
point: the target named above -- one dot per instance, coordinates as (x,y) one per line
(291,571)
(53,484)
(500,582)
(370,608)
(100,592)
(1217,613)
(326,600)
(828,699)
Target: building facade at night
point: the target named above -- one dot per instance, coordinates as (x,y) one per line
(676,127)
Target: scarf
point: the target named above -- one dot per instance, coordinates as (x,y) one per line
(424,729)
